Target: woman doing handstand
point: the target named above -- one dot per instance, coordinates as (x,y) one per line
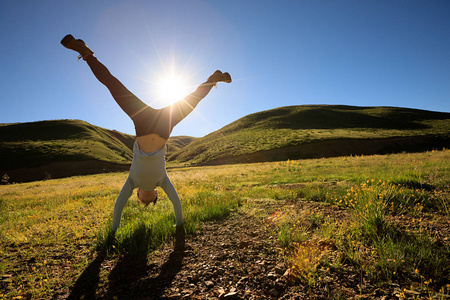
(153,128)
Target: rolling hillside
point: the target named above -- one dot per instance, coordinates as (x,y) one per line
(312,131)
(176,143)
(60,148)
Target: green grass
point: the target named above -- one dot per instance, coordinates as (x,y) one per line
(373,214)
(388,233)
(396,253)
(59,225)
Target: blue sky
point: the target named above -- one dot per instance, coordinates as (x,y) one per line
(279,53)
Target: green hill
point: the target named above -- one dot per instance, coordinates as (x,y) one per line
(37,143)
(310,131)
(176,143)
(60,148)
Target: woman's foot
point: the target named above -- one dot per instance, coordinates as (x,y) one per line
(77,45)
(226,77)
(218,76)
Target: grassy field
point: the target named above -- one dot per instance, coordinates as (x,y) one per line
(386,217)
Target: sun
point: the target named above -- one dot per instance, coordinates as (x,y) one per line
(171,88)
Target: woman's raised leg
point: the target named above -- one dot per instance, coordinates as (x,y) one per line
(129,103)
(182,108)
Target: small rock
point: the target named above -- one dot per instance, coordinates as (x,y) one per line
(193,278)
(221,257)
(244,244)
(253,234)
(221,292)
(242,280)
(208,275)
(411,292)
(377,292)
(261,262)
(272,276)
(274,293)
(280,269)
(186,292)
(290,276)
(209,284)
(232,295)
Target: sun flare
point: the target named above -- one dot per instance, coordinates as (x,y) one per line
(171,88)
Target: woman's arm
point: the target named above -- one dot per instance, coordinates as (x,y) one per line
(121,201)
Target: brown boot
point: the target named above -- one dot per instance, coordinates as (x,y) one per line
(218,76)
(77,45)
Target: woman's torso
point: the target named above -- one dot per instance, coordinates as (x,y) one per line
(151,142)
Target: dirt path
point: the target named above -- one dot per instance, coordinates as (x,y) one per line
(235,258)
(231,259)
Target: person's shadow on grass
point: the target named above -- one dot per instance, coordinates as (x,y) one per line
(128,279)
(86,285)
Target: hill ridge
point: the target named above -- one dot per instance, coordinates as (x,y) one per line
(290,132)
(295,125)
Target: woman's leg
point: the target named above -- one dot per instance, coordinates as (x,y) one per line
(179,110)
(182,108)
(129,103)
